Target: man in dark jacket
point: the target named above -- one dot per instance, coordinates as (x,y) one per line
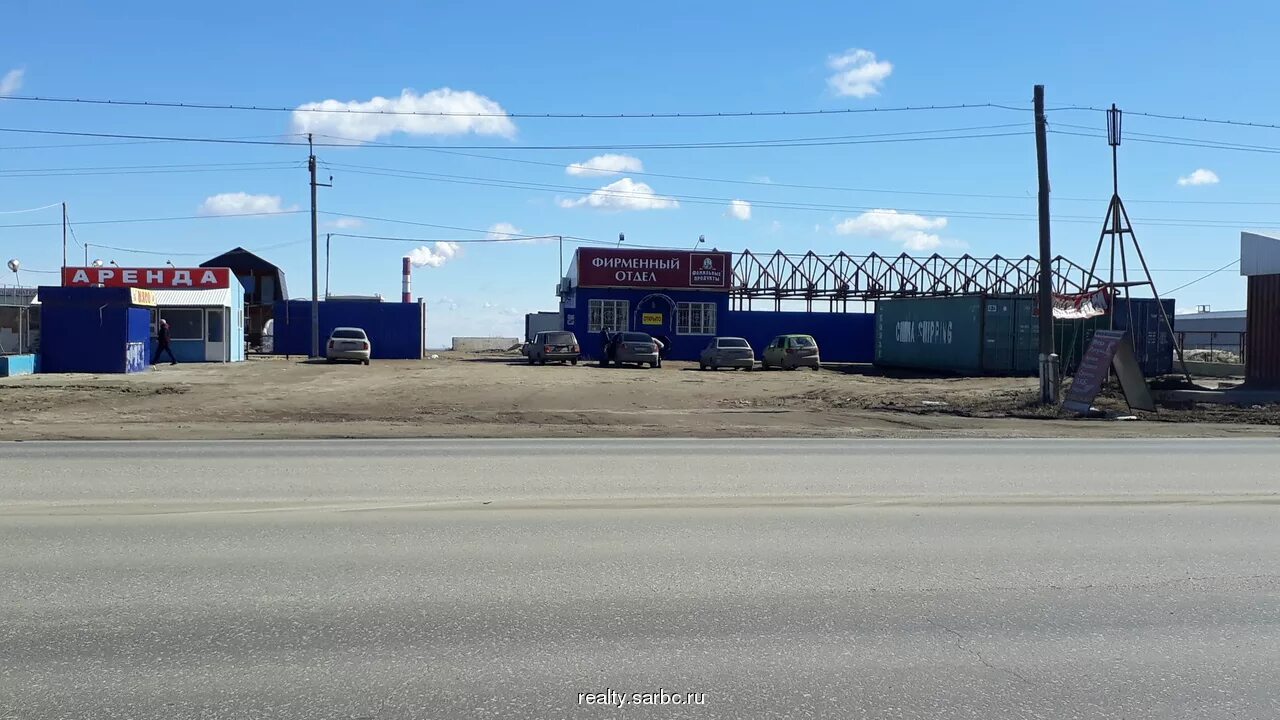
(162,346)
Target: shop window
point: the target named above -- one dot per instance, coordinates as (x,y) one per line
(184,323)
(215,326)
(610,315)
(696,318)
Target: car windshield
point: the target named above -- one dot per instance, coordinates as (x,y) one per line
(733,343)
(349,334)
(803,341)
(636,338)
(559,338)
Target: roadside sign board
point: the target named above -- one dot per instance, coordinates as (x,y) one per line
(142,296)
(1108,348)
(651,319)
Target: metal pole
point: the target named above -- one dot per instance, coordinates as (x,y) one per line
(315,289)
(64,236)
(86,254)
(1048,364)
(560,272)
(327,238)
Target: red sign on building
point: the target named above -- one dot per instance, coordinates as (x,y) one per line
(163,278)
(608,267)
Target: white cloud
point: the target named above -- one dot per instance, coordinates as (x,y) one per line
(445,112)
(624,194)
(740,209)
(239,203)
(609,164)
(12,81)
(858,73)
(347,224)
(434,255)
(907,228)
(1199,177)
(503,231)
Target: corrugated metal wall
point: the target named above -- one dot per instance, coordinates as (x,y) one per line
(841,337)
(90,330)
(394,329)
(1262,359)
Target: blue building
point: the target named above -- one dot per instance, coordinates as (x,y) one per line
(95,330)
(682,298)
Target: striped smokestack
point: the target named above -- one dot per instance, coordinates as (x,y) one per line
(405,267)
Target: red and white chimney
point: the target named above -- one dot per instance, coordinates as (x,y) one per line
(406,266)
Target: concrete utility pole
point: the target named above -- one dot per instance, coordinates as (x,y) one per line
(64,237)
(315,268)
(1049,380)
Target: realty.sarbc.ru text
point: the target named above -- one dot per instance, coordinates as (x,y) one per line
(618,698)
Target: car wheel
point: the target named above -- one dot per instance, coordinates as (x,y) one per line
(816,368)
(366,362)
(604,362)
(573,362)
(714,367)
(530,361)
(702,366)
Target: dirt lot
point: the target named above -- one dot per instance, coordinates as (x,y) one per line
(497,396)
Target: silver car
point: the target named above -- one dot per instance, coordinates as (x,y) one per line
(734,352)
(348,343)
(631,347)
(553,345)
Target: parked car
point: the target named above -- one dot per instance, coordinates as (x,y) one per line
(553,345)
(734,352)
(348,343)
(790,352)
(631,347)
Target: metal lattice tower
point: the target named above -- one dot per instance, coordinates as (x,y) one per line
(1117,233)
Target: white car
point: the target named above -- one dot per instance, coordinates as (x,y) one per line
(348,343)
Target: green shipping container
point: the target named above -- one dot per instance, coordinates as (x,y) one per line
(974,334)
(936,333)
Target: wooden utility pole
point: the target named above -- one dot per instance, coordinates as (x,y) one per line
(1049,379)
(315,265)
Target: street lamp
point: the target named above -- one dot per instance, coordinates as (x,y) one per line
(701,239)
(621,237)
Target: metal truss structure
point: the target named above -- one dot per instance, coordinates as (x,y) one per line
(841,278)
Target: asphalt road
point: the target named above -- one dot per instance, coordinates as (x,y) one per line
(505,579)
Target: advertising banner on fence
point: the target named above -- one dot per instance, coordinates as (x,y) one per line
(679,269)
(161,278)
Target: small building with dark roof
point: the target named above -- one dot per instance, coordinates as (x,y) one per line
(264,286)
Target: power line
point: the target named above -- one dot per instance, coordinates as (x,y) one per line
(530,115)
(406,146)
(89,172)
(27,210)
(157,219)
(839,188)
(1183,118)
(709,200)
(190,254)
(1210,144)
(1203,277)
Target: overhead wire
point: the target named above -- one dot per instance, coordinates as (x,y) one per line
(1203,277)
(618,146)
(156,219)
(504,114)
(27,210)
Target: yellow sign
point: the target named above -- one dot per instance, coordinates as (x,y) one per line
(142,296)
(651,319)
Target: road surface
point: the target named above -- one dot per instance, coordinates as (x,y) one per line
(514,579)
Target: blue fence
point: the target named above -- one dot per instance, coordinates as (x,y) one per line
(395,330)
(842,337)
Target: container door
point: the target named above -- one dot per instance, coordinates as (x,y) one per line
(215,339)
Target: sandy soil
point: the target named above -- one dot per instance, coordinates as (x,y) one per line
(499,396)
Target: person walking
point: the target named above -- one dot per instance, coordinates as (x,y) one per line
(162,346)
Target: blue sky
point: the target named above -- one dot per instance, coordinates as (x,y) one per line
(664,57)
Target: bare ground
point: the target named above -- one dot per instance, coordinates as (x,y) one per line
(499,396)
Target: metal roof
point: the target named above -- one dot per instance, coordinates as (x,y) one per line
(217,297)
(1259,254)
(1212,315)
